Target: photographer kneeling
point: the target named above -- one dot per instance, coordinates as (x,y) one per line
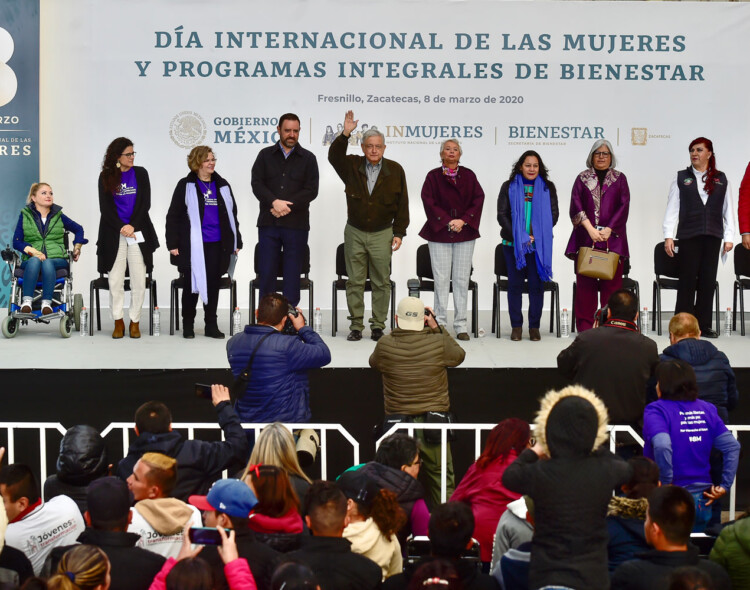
(413,359)
(277,360)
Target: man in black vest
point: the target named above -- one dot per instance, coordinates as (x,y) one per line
(615,360)
(700,203)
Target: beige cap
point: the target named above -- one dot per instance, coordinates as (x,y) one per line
(410,312)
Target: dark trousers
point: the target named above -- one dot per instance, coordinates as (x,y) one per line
(592,294)
(698,260)
(289,245)
(515,289)
(212,255)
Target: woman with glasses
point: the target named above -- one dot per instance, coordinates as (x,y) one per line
(599,207)
(202,234)
(127,239)
(453,200)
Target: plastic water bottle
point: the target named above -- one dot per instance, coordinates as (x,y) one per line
(84,322)
(236,321)
(728,322)
(565,323)
(645,327)
(318,321)
(157,322)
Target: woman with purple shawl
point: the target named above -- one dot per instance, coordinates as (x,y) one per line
(527,211)
(599,208)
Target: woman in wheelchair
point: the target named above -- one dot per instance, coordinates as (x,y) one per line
(39,237)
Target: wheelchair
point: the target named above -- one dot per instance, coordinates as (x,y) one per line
(66,307)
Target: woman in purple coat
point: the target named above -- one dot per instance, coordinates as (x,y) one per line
(599,208)
(453,203)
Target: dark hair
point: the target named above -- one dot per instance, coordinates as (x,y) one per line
(543,172)
(673,509)
(288,117)
(676,381)
(450,529)
(111,175)
(83,456)
(293,575)
(709,177)
(511,433)
(275,494)
(690,578)
(153,417)
(272,309)
(34,583)
(20,482)
(623,305)
(325,504)
(435,574)
(644,479)
(385,512)
(192,573)
(397,450)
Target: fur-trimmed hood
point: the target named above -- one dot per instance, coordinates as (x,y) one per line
(628,507)
(571,422)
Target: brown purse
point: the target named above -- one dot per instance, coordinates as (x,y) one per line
(597,264)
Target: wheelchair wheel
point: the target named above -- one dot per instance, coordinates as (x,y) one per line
(66,327)
(77,307)
(9,327)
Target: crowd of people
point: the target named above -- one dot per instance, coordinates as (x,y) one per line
(203,237)
(545,505)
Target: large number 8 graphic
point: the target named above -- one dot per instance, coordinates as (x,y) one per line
(8,81)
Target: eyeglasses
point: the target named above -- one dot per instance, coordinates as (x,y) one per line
(602,154)
(211,161)
(128,155)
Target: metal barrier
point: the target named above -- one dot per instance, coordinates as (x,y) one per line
(613,429)
(191,427)
(42,427)
(324,429)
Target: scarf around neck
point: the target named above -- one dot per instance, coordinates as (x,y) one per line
(541,221)
(197,259)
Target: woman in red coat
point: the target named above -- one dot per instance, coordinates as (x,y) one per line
(482,486)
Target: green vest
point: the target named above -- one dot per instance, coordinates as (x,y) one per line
(52,242)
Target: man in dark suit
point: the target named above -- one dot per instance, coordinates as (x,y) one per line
(285,181)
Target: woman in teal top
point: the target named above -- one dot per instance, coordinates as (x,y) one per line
(39,237)
(527,211)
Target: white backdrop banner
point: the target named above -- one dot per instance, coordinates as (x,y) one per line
(502,77)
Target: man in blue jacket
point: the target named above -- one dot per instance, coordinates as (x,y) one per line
(278,389)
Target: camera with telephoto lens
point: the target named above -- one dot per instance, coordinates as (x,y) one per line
(600,317)
(289,328)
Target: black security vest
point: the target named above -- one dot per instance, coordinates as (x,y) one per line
(697,219)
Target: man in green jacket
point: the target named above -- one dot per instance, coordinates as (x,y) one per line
(413,360)
(377,203)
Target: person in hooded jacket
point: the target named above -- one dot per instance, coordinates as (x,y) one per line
(569,473)
(626,514)
(200,462)
(396,468)
(82,459)
(713,373)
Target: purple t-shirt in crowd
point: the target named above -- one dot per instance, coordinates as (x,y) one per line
(692,428)
(125,195)
(210,227)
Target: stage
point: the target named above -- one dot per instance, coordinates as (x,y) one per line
(97,380)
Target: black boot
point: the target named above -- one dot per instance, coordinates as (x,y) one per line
(212,331)
(187,330)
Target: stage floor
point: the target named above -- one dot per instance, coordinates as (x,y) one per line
(174,352)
